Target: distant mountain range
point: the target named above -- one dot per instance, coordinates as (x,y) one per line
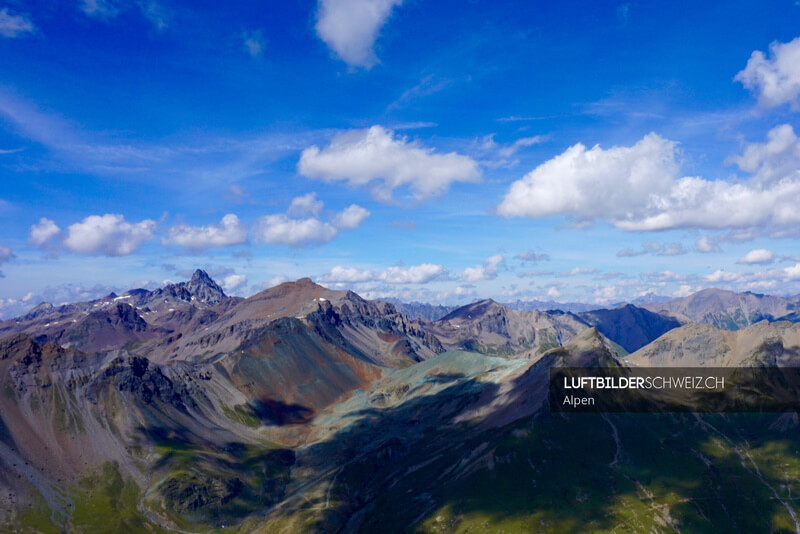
(304,409)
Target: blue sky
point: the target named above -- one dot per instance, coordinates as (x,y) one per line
(428,150)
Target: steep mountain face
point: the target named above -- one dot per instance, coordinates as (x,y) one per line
(491,328)
(630,326)
(698,345)
(726,309)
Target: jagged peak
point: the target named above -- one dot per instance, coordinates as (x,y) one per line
(200,275)
(202,286)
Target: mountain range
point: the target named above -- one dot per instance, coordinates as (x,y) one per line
(305,409)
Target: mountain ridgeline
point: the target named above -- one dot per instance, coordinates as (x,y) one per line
(304,409)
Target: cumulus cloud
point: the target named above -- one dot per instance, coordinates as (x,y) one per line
(230,231)
(351,217)
(234,282)
(12,26)
(43,232)
(594,183)
(774,160)
(308,231)
(793,272)
(706,245)
(774,80)
(280,229)
(109,235)
(758,256)
(350,27)
(375,158)
(637,189)
(305,205)
(486,271)
(416,274)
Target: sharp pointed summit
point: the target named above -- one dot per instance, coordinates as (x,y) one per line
(204,288)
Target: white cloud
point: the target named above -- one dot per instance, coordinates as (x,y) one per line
(721,275)
(416,274)
(774,160)
(109,235)
(605,294)
(486,271)
(793,272)
(228,232)
(377,159)
(684,291)
(350,27)
(592,183)
(706,245)
(43,231)
(279,229)
(758,256)
(464,291)
(350,275)
(305,205)
(350,218)
(12,26)
(301,232)
(776,80)
(553,293)
(637,189)
(234,282)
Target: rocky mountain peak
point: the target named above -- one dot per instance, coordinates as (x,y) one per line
(204,288)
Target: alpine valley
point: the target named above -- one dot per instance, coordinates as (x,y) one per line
(305,409)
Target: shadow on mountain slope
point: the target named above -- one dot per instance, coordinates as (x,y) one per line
(420,465)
